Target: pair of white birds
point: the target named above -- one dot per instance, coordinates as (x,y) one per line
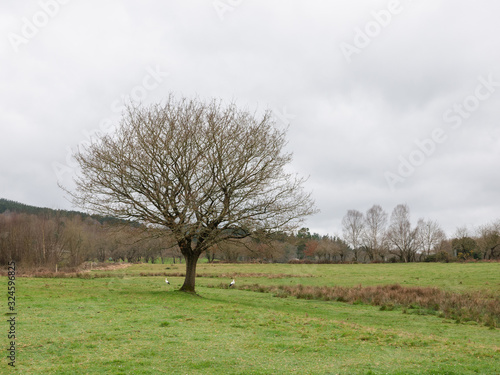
(230,284)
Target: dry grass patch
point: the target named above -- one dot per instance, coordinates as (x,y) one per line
(82,271)
(480,307)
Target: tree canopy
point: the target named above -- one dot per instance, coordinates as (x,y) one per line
(203,172)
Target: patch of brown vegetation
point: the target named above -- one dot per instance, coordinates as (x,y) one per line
(470,306)
(111,266)
(70,272)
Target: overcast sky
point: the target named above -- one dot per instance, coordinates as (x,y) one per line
(387,102)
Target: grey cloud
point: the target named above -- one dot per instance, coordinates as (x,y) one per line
(350,121)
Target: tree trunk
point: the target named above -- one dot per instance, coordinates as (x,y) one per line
(191,261)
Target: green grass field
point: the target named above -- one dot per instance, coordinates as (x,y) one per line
(131,324)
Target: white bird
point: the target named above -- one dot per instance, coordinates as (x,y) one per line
(167,281)
(232,283)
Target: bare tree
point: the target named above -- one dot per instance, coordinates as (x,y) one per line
(202,172)
(341,249)
(74,241)
(488,240)
(401,235)
(230,251)
(462,232)
(331,247)
(353,225)
(429,235)
(326,248)
(373,236)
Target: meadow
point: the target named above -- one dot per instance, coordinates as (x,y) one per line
(129,321)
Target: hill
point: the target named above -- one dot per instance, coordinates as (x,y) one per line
(13,206)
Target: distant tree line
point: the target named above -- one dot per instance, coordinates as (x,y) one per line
(39,237)
(50,240)
(376,237)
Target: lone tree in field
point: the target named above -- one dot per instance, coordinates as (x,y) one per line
(201,172)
